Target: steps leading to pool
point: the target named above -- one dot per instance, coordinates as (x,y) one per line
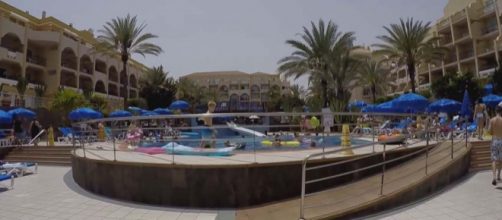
(480,156)
(60,155)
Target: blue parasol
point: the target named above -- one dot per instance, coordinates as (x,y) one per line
(5,118)
(179,105)
(357,104)
(134,109)
(492,100)
(22,112)
(163,111)
(368,108)
(148,113)
(388,107)
(119,113)
(412,102)
(445,105)
(465,110)
(488,89)
(84,113)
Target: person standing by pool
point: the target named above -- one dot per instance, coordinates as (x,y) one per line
(35,128)
(480,118)
(18,131)
(208,121)
(495,129)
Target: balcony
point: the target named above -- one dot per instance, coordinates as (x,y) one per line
(487,71)
(466,54)
(234,87)
(43,36)
(443,25)
(462,36)
(485,51)
(458,17)
(37,60)
(489,32)
(8,55)
(489,7)
(423,87)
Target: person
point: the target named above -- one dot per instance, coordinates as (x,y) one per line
(479,118)
(18,130)
(101,132)
(134,134)
(34,130)
(495,129)
(277,141)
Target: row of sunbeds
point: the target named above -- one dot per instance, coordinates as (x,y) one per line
(10,171)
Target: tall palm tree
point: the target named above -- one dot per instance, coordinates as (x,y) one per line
(371,74)
(313,53)
(126,36)
(409,43)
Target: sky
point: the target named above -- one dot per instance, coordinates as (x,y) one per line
(249,36)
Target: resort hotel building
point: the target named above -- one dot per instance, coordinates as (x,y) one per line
(49,52)
(472,31)
(239,91)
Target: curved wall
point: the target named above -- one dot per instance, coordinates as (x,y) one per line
(222,186)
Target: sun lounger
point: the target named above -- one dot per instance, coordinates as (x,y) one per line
(6,176)
(19,169)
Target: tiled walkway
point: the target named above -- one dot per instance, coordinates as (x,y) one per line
(52,194)
(471,198)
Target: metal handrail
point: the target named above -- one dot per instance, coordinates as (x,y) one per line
(306,159)
(260,114)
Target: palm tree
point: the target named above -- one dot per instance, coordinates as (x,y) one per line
(21,87)
(371,74)
(409,43)
(187,90)
(126,36)
(157,87)
(314,52)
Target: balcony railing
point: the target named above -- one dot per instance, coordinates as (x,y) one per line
(36,60)
(443,24)
(466,54)
(489,29)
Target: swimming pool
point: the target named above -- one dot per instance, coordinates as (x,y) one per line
(223,137)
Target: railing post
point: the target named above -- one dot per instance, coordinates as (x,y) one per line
(114,149)
(254,144)
(323,146)
(302,196)
(82,144)
(383,170)
(466,134)
(373,136)
(452,146)
(172,146)
(427,148)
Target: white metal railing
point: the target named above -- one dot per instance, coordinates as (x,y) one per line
(426,150)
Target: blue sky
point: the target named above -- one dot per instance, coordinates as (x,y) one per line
(202,35)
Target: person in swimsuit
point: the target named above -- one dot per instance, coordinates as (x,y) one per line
(479,118)
(495,129)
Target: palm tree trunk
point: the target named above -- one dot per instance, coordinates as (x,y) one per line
(411,73)
(324,87)
(125,58)
(373,92)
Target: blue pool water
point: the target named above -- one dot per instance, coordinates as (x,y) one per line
(194,139)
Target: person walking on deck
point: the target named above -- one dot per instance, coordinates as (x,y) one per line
(480,118)
(495,129)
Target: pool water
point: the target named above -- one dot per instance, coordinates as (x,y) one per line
(194,139)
